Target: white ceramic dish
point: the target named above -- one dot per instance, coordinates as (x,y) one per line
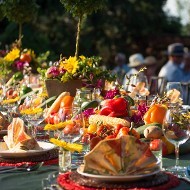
(5,153)
(118,178)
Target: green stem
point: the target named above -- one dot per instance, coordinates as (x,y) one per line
(78,35)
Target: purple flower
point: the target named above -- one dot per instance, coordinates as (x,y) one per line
(110,94)
(19,65)
(88,112)
(54,71)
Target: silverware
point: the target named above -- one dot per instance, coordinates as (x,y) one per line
(187,171)
(24,167)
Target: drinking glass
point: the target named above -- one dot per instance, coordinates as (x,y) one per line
(72,133)
(176,129)
(174,93)
(33,111)
(138,87)
(10,100)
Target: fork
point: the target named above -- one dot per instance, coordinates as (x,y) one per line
(24,167)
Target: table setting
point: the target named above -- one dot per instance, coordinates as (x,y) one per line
(109,140)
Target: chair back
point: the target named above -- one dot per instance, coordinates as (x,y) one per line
(186,92)
(157,85)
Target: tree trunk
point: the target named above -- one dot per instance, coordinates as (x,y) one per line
(20,35)
(78,35)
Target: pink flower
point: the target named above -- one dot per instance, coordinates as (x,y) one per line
(54,71)
(19,65)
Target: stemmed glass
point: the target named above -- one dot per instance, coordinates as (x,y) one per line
(174,93)
(33,111)
(138,87)
(71,133)
(176,129)
(10,100)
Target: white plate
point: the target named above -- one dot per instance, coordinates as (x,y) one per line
(118,178)
(8,154)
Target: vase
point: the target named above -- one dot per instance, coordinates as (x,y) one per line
(64,160)
(55,87)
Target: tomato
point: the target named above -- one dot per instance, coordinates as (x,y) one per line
(56,119)
(68,129)
(123,131)
(118,127)
(157,144)
(25,58)
(110,136)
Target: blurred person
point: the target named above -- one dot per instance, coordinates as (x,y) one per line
(151,66)
(186,66)
(121,68)
(136,62)
(172,70)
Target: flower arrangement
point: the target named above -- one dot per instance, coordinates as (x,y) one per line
(84,68)
(22,60)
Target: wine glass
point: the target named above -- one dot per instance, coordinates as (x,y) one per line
(33,111)
(73,131)
(174,93)
(138,87)
(176,129)
(10,100)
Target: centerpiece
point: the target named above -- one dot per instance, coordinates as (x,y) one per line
(77,71)
(69,74)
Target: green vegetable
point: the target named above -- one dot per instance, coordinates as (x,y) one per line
(24,90)
(92,104)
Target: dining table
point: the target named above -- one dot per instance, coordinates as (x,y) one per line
(23,180)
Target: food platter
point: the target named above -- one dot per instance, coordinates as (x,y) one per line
(5,153)
(117,178)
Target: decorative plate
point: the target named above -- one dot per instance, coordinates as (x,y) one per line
(5,153)
(117,178)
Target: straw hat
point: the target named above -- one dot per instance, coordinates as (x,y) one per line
(150,60)
(136,60)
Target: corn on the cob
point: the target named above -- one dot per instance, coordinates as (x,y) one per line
(107,120)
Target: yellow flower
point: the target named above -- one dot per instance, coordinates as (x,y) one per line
(12,55)
(31,111)
(68,146)
(70,64)
(10,101)
(60,125)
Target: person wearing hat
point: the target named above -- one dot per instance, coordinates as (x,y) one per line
(121,68)
(172,70)
(151,66)
(136,62)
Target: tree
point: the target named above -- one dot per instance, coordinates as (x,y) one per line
(80,8)
(20,11)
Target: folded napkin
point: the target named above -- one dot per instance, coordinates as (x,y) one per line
(17,139)
(122,156)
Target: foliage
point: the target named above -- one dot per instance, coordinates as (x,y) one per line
(20,11)
(80,8)
(127,26)
(86,69)
(24,60)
